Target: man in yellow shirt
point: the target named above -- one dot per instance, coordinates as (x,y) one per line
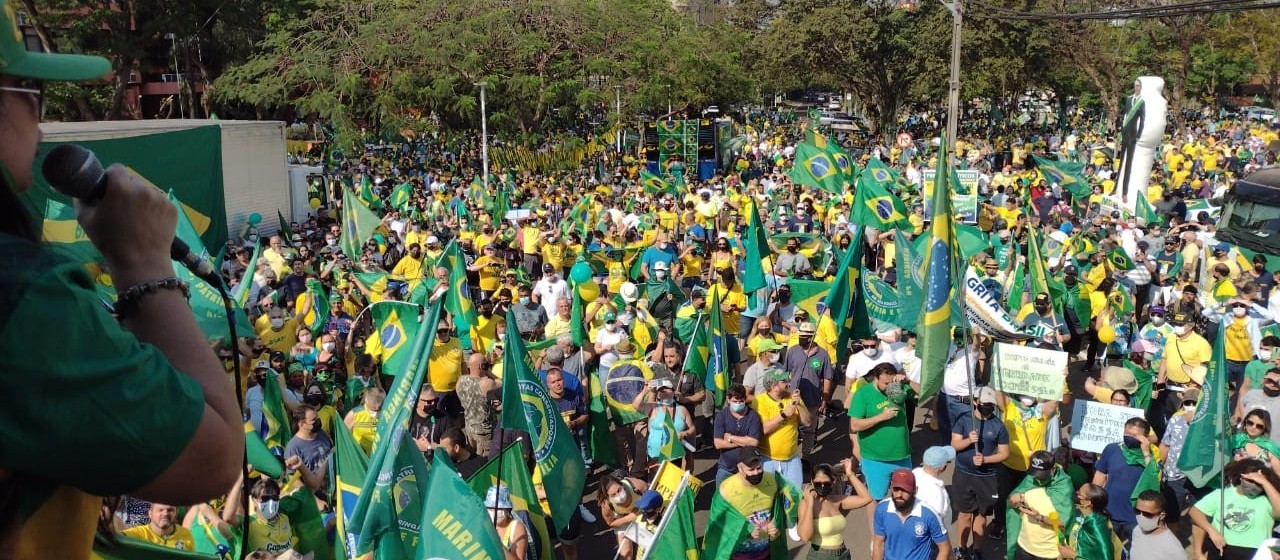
(562,322)
(163,529)
(410,266)
(1038,535)
(1183,353)
(444,367)
(433,251)
(781,415)
(280,333)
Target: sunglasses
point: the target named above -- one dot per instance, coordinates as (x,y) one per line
(1255,424)
(31,87)
(1148,514)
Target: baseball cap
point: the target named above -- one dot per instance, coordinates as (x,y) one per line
(775,375)
(432,239)
(1178,319)
(548,268)
(1042,298)
(16,60)
(987,395)
(902,479)
(610,316)
(1041,461)
(938,456)
(807,329)
(649,500)
(767,345)
(660,265)
(749,456)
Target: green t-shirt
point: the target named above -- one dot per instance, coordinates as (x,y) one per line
(887,441)
(1248,520)
(78,386)
(1254,371)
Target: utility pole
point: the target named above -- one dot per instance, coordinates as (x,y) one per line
(953,98)
(484,139)
(617,96)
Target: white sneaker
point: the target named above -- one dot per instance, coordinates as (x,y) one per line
(586,514)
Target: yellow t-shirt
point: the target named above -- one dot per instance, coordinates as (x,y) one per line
(529,244)
(1025,437)
(691,265)
(490,272)
(275,536)
(281,340)
(419,237)
(783,443)
(485,331)
(749,499)
(445,365)
(553,254)
(729,296)
(557,326)
(1177,352)
(408,268)
(364,429)
(1009,215)
(1035,538)
(327,415)
(181,538)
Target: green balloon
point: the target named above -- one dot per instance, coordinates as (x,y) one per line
(580,272)
(254,218)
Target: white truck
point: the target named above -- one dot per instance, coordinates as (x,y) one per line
(254,171)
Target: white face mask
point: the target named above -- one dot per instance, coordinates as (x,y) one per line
(1240,311)
(1182,330)
(328,346)
(277,322)
(331,242)
(660,274)
(1157,320)
(618,499)
(269,509)
(1027,402)
(1148,524)
(872,351)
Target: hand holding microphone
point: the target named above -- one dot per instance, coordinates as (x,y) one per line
(131,222)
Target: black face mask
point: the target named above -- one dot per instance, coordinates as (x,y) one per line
(1042,309)
(316,426)
(755,479)
(822,489)
(986,409)
(1070,281)
(313,400)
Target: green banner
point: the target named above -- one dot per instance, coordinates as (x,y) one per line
(187,162)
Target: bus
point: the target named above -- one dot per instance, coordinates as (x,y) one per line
(1251,213)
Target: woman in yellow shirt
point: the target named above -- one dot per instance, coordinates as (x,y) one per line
(724,257)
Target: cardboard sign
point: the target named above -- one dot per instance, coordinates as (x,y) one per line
(1023,370)
(1095,424)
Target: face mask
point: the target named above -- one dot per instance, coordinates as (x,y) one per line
(1182,330)
(611,327)
(822,489)
(660,275)
(269,509)
(1070,281)
(524,300)
(1250,489)
(986,409)
(1132,442)
(316,426)
(276,323)
(1239,312)
(1004,235)
(667,402)
(1157,320)
(331,242)
(1042,310)
(792,250)
(1027,402)
(313,400)
(737,406)
(618,499)
(1148,524)
(871,352)
(328,346)
(755,479)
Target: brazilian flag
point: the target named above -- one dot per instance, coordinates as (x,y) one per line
(1119,259)
(654,184)
(554,450)
(876,206)
(397,324)
(671,448)
(814,167)
(1069,175)
(401,196)
(842,159)
(508,470)
(348,467)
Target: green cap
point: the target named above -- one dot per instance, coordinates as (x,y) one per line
(767,345)
(610,316)
(775,375)
(15,60)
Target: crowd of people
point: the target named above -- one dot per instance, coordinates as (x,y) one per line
(1136,337)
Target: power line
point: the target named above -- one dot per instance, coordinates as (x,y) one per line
(981,10)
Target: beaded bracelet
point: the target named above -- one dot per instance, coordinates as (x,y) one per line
(130,300)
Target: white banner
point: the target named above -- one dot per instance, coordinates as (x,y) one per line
(1094,424)
(984,312)
(1026,370)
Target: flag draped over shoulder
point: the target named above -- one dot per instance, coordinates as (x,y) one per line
(240,293)
(358,223)
(1068,175)
(934,328)
(814,167)
(723,350)
(753,275)
(129,548)
(386,521)
(1205,453)
(1061,494)
(530,408)
(455,521)
(726,526)
(875,205)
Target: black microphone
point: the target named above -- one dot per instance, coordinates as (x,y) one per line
(75,171)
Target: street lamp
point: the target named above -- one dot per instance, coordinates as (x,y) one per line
(484,139)
(173,47)
(956,8)
(617,100)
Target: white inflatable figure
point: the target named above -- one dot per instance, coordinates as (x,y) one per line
(1141,130)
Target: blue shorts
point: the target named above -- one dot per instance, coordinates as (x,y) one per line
(878,474)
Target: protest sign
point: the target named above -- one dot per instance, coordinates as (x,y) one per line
(964,197)
(1023,370)
(1095,424)
(983,311)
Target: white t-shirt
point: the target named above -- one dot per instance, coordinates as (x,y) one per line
(932,492)
(908,360)
(860,363)
(955,382)
(551,293)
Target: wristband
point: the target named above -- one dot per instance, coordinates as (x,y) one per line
(130,300)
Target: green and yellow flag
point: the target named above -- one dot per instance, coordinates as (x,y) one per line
(934,328)
(727,525)
(348,467)
(844,302)
(397,324)
(240,294)
(531,408)
(672,447)
(274,428)
(206,303)
(358,223)
(308,525)
(1119,259)
(509,471)
(129,548)
(315,317)
(875,205)
(677,538)
(757,242)
(1146,212)
(724,352)
(457,300)
(1069,175)
(401,196)
(814,167)
(654,184)
(1205,451)
(455,521)
(257,454)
